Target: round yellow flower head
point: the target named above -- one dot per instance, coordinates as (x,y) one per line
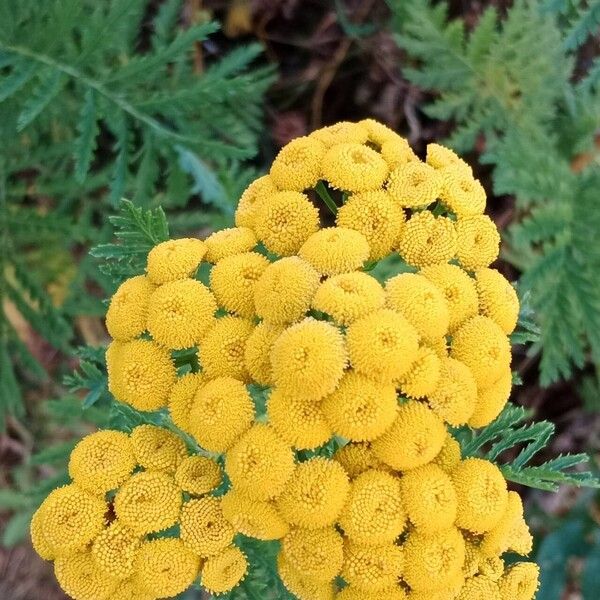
(360,409)
(228,242)
(429,498)
(372,568)
(423,376)
(378,133)
(174,259)
(165,567)
(335,250)
(478,242)
(440,157)
(82,579)
(458,289)
(303,588)
(428,240)
(397,153)
(314,496)
(141,373)
(260,463)
(414,439)
(377,217)
(349,296)
(71,518)
(148,502)
(223,348)
(342,132)
(222,411)
(129,589)
(308,359)
(37,531)
(316,553)
(455,396)
(391,593)
(233,281)
(254,518)
(115,548)
(259,190)
(285,221)
(127,314)
(461,192)
(373,514)
(434,559)
(491,400)
(222,572)
(497,299)
(482,495)
(484,348)
(299,422)
(102,461)
(449,456)
(298,164)
(257,356)
(284,292)
(358,457)
(354,168)
(198,475)
(479,588)
(421,303)
(520,581)
(204,529)
(181,399)
(180,312)
(414,184)
(157,449)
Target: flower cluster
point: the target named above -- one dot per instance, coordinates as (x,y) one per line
(290,308)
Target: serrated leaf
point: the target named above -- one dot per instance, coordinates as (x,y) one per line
(87,130)
(22,72)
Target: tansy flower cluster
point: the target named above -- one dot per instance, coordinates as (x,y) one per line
(290,309)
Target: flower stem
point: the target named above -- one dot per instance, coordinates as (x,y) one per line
(324,195)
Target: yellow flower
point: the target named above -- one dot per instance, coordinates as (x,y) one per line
(342,132)
(284,292)
(315,494)
(335,250)
(180,312)
(461,192)
(482,495)
(260,463)
(82,579)
(449,456)
(479,588)
(491,400)
(429,498)
(455,396)
(249,204)
(478,242)
(157,449)
(298,164)
(300,586)
(391,593)
(421,303)
(230,241)
(37,531)
(308,359)
(129,589)
(414,184)
(354,168)
(377,217)
(348,297)
(71,518)
(491,567)
(378,133)
(198,475)
(423,376)
(414,439)
(102,461)
(520,581)
(316,553)
(223,347)
(397,153)
(285,221)
(254,518)
(382,345)
(165,567)
(233,280)
(484,348)
(360,409)
(148,502)
(372,568)
(427,240)
(497,299)
(174,259)
(373,514)
(114,550)
(299,422)
(458,289)
(141,373)
(222,411)
(257,355)
(221,573)
(127,313)
(358,457)
(203,528)
(440,157)
(181,399)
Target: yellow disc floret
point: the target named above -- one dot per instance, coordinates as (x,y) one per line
(449,455)
(83,579)
(372,568)
(303,588)
(198,475)
(342,132)
(127,314)
(491,400)
(478,242)
(461,192)
(257,355)
(520,581)
(258,191)
(174,259)
(358,457)
(440,157)
(354,168)
(181,399)
(423,375)
(222,572)
(203,528)
(298,164)
(228,242)
(37,531)
(157,449)
(115,548)
(479,588)
(397,153)
(497,299)
(414,184)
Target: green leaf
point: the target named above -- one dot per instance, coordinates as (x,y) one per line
(22,72)
(87,128)
(12,500)
(590,582)
(17,529)
(51,83)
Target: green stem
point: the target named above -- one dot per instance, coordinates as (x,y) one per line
(324,195)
